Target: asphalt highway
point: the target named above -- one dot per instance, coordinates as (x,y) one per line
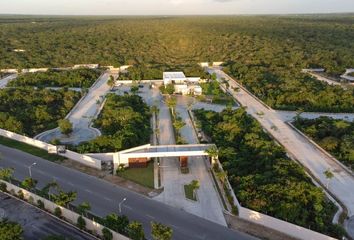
(104,198)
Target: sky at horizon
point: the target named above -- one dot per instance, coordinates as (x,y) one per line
(173,7)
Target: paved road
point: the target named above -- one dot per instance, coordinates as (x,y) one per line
(35,223)
(341,185)
(290,115)
(6,80)
(82,115)
(104,198)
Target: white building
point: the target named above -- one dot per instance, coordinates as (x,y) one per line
(182,84)
(348,77)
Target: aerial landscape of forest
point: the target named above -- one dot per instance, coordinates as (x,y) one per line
(266,54)
(206,115)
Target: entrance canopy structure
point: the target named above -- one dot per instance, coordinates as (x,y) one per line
(145,152)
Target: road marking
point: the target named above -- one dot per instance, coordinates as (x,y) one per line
(128,207)
(108,199)
(87,190)
(149,216)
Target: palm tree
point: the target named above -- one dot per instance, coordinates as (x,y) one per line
(6,174)
(222,175)
(329,175)
(213,152)
(171,103)
(195,186)
(83,208)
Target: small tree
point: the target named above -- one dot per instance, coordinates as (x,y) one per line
(63,198)
(160,231)
(195,186)
(116,223)
(6,174)
(65,126)
(329,175)
(111,81)
(213,152)
(83,208)
(57,212)
(29,183)
(171,103)
(134,89)
(40,204)
(10,230)
(20,194)
(136,231)
(81,222)
(107,234)
(169,89)
(3,187)
(222,176)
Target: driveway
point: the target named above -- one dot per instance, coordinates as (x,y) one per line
(35,223)
(173,180)
(82,115)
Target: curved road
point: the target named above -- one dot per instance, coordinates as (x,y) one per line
(104,198)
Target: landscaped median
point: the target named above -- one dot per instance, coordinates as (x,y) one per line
(58,203)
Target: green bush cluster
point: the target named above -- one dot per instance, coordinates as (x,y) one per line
(124,122)
(335,136)
(262,176)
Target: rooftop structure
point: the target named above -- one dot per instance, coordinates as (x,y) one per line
(182,84)
(346,75)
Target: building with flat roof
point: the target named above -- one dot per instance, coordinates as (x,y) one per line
(182,84)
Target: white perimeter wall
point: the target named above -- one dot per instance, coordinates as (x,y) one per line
(81,158)
(69,215)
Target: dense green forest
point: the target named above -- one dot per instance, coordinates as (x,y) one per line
(124,123)
(262,176)
(266,53)
(54,78)
(28,111)
(335,136)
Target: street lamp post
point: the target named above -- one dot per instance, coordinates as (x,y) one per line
(120,204)
(30,167)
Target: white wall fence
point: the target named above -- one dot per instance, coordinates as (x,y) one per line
(138,81)
(81,158)
(69,215)
(274,223)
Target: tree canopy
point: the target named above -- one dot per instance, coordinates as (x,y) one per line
(29,111)
(262,176)
(335,136)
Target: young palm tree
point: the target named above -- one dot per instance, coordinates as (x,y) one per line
(213,152)
(329,175)
(195,186)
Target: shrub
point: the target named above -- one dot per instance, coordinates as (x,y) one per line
(81,223)
(3,187)
(107,234)
(234,210)
(160,231)
(40,204)
(136,231)
(57,212)
(20,194)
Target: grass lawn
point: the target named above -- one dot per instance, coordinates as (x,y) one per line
(142,176)
(188,191)
(30,149)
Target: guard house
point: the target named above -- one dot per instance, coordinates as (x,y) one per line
(182,84)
